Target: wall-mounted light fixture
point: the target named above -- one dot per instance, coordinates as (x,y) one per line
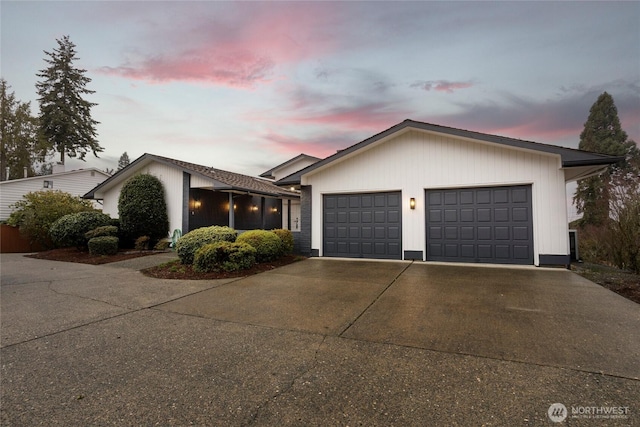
(274,210)
(254,208)
(197,204)
(412,203)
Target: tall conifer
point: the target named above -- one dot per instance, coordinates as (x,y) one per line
(65,116)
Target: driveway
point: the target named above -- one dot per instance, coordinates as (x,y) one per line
(319,342)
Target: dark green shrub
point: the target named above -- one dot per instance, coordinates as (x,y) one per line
(267,244)
(142,209)
(105,230)
(70,229)
(103,245)
(188,244)
(224,256)
(37,211)
(286,237)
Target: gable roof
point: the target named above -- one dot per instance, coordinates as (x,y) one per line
(270,172)
(54,175)
(570,156)
(222,180)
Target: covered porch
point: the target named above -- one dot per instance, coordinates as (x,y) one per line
(239,210)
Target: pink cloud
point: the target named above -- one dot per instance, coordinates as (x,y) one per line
(441,85)
(368,117)
(237,46)
(319,146)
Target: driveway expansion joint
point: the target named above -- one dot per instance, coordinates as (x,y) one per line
(253,417)
(340,334)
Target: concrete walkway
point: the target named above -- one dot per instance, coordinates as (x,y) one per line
(319,342)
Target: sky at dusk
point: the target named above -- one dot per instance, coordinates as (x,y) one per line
(244,86)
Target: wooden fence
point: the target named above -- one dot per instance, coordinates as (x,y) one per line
(11,241)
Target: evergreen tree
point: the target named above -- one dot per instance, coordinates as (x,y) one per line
(19,144)
(603,134)
(65,117)
(124,161)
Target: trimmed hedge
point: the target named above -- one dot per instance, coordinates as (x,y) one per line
(188,244)
(70,229)
(143,210)
(286,237)
(105,230)
(224,256)
(103,245)
(267,244)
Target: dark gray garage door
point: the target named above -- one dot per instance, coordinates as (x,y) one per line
(361,225)
(492,225)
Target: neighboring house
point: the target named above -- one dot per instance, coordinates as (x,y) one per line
(419,191)
(199,196)
(76,182)
(286,169)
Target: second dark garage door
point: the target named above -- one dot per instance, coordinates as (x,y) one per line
(364,225)
(491,225)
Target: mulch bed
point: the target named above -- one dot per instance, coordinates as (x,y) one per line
(169,270)
(84,257)
(175,270)
(618,281)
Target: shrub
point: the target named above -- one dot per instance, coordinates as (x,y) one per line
(70,229)
(224,256)
(267,244)
(162,245)
(105,230)
(286,237)
(142,243)
(37,211)
(142,209)
(188,244)
(103,245)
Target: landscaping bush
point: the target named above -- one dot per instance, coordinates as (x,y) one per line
(38,210)
(70,229)
(103,245)
(162,245)
(142,243)
(286,237)
(224,256)
(143,210)
(267,244)
(188,244)
(105,230)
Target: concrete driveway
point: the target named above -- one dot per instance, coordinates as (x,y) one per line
(319,342)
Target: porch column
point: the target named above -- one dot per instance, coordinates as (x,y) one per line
(262,212)
(231,213)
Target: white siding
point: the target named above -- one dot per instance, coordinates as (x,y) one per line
(77,183)
(292,168)
(171,179)
(414,161)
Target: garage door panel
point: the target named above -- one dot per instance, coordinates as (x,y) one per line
(501,214)
(492,224)
(522,252)
(393,233)
(435,216)
(363,225)
(467,251)
(520,214)
(435,232)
